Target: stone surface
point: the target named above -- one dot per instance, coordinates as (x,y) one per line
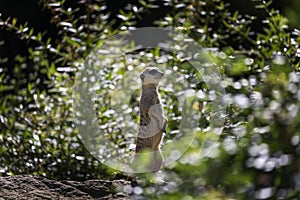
(23,187)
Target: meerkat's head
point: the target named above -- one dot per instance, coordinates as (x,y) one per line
(151,75)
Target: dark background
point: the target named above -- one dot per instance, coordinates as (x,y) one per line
(32,12)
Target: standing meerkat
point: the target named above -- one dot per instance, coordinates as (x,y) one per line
(152,120)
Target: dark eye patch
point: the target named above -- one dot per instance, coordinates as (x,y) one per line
(152,71)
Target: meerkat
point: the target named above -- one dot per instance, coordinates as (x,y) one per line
(152,119)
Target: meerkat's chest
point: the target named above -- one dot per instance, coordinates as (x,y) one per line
(148,99)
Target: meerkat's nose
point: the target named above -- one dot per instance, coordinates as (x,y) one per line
(162,74)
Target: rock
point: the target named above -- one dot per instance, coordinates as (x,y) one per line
(23,187)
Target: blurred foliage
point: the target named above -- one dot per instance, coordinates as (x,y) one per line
(292,12)
(257,155)
(38,135)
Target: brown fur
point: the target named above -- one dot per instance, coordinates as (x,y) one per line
(152,119)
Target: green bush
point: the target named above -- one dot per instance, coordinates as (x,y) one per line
(257,155)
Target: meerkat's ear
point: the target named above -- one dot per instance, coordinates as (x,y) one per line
(142,76)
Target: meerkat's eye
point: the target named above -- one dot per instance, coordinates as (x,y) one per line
(153,71)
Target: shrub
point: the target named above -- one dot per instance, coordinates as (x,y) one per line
(257,155)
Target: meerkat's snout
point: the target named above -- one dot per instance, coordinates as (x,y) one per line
(151,75)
